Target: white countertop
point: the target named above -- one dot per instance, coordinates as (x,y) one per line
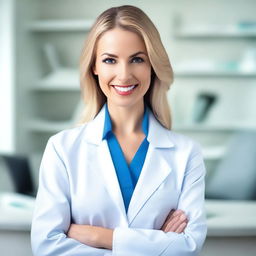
(231,218)
(224,217)
(16,211)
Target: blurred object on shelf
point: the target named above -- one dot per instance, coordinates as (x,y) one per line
(204,102)
(248,62)
(52,57)
(235,176)
(247,25)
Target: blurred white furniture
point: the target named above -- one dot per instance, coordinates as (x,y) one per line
(231,228)
(15,221)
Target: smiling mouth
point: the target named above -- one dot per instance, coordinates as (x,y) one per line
(124,88)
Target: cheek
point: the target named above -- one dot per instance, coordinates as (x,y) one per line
(144,75)
(104,76)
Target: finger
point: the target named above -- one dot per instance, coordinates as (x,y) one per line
(176,222)
(177,212)
(169,215)
(168,219)
(164,226)
(174,214)
(168,225)
(181,228)
(172,217)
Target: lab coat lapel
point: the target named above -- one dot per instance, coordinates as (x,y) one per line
(156,168)
(109,176)
(154,172)
(93,135)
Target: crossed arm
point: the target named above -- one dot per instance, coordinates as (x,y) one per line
(100,237)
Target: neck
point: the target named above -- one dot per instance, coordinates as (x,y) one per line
(126,120)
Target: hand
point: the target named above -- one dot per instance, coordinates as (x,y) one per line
(176,222)
(93,236)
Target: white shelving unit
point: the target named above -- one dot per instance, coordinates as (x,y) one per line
(48,78)
(217,31)
(59,25)
(218,70)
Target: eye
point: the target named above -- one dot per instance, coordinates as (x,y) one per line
(109,61)
(137,60)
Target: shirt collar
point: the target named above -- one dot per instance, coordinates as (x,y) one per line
(108,123)
(158,136)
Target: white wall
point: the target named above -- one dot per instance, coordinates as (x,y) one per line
(7,95)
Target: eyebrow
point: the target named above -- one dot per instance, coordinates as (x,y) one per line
(115,56)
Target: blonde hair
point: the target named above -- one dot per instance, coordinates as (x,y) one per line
(132,19)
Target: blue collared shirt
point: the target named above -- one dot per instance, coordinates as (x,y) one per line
(127,174)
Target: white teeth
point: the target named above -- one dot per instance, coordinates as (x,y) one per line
(124,89)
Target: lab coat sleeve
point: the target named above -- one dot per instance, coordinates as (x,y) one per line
(52,213)
(140,242)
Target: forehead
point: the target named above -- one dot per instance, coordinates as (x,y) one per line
(121,42)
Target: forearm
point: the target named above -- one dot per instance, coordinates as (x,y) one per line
(100,237)
(105,238)
(94,236)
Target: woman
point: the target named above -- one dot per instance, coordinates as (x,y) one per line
(122,183)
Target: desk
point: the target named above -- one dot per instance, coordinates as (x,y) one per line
(15,222)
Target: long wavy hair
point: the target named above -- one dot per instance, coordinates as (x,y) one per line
(132,19)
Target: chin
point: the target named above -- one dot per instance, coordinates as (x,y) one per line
(126,103)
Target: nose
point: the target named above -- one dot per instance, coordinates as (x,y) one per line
(124,73)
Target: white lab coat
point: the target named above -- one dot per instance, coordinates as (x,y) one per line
(78,184)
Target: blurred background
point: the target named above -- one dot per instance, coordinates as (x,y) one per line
(212,49)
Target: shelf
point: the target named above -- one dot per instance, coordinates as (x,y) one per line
(214,73)
(60,25)
(231,127)
(213,68)
(42,126)
(61,79)
(216,31)
(213,152)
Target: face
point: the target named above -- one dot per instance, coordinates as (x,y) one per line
(123,68)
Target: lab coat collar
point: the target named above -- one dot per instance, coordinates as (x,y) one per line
(158,136)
